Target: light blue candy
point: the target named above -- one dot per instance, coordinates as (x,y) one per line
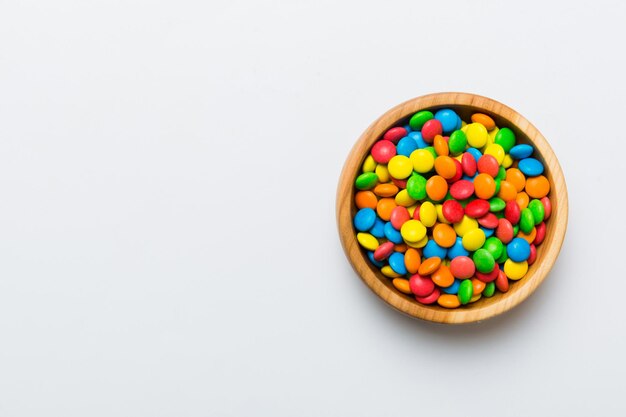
(396,262)
(475,153)
(448,118)
(405,146)
(370,255)
(530,167)
(518,249)
(364,219)
(454,288)
(470,179)
(419,140)
(459,123)
(378,230)
(521,151)
(433,249)
(457,249)
(392,234)
(408,128)
(488,232)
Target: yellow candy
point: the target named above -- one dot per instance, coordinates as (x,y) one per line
(492,134)
(475,298)
(423,161)
(463,124)
(473,240)
(496,151)
(440,217)
(368,241)
(465,225)
(515,270)
(400,167)
(388,272)
(428,214)
(369,165)
(403,199)
(507,161)
(411,210)
(476,135)
(412,231)
(383,173)
(419,244)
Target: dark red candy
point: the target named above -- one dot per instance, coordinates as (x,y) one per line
(395,134)
(489,220)
(512,212)
(468,162)
(533,255)
(399,216)
(453,211)
(477,208)
(383,151)
(431,129)
(416,212)
(399,183)
(504,231)
(421,286)
(429,299)
(462,189)
(502,282)
(459,172)
(541,233)
(488,164)
(488,277)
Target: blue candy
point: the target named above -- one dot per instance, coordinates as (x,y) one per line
(433,249)
(406,145)
(364,219)
(392,234)
(370,255)
(488,232)
(518,249)
(408,128)
(530,167)
(475,153)
(521,151)
(378,230)
(419,140)
(448,119)
(454,288)
(459,123)
(396,262)
(457,249)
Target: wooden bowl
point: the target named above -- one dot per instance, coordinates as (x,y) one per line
(464,104)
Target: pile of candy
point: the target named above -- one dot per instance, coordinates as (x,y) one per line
(451,211)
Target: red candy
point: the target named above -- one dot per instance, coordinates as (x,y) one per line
(421,286)
(395,134)
(431,129)
(512,212)
(399,183)
(459,172)
(502,282)
(383,151)
(469,164)
(384,251)
(533,255)
(452,210)
(541,233)
(462,189)
(477,208)
(547,205)
(504,231)
(489,220)
(487,164)
(462,267)
(429,299)
(399,216)
(488,277)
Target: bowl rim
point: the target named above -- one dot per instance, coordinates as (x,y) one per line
(356,257)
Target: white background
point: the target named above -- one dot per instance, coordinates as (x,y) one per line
(167,234)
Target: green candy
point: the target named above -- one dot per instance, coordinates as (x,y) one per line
(502,259)
(505,138)
(490,289)
(501,173)
(527,221)
(484,261)
(419,118)
(515,230)
(494,246)
(538,210)
(466,290)
(432,150)
(416,187)
(457,142)
(496,204)
(366,181)
(497,181)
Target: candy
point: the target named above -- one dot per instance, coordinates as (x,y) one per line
(448,211)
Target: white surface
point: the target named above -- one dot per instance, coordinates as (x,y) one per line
(167,230)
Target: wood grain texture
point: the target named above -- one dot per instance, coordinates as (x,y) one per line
(547,253)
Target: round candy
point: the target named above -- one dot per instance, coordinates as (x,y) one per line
(457,249)
(433,250)
(392,234)
(423,161)
(443,277)
(448,119)
(497,152)
(496,204)
(419,118)
(484,186)
(530,167)
(444,235)
(383,151)
(494,246)
(413,231)
(412,260)
(468,163)
(484,120)
(537,187)
(368,241)
(505,138)
(378,230)
(521,151)
(384,251)
(477,208)
(527,221)
(452,211)
(428,214)
(416,187)
(465,225)
(366,180)
(512,212)
(457,142)
(385,190)
(396,262)
(490,289)
(445,166)
(400,167)
(462,189)
(538,210)
(431,129)
(399,216)
(476,135)
(489,221)
(515,177)
(406,146)
(429,266)
(421,286)
(462,267)
(488,276)
(541,233)
(429,299)
(365,199)
(473,240)
(385,207)
(395,134)
(402,285)
(484,261)
(448,301)
(487,164)
(518,250)
(364,219)
(466,290)
(436,188)
(515,270)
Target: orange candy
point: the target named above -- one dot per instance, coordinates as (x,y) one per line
(522,200)
(429,266)
(437,187)
(448,301)
(412,260)
(386,190)
(384,208)
(443,277)
(444,236)
(507,191)
(515,177)
(365,199)
(530,238)
(445,166)
(402,285)
(484,120)
(537,187)
(402,247)
(441,146)
(478,285)
(484,186)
